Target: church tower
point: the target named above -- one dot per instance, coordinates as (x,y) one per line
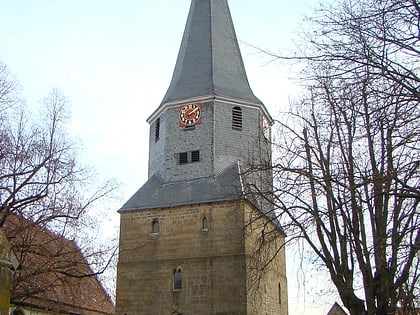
(192,238)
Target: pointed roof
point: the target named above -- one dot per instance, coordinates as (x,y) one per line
(209,61)
(336,309)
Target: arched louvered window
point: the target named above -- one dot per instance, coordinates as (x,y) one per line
(237,118)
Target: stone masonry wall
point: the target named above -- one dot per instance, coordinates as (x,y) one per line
(217,276)
(218,143)
(267,282)
(212,262)
(163,154)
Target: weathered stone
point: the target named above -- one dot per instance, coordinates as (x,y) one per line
(215,263)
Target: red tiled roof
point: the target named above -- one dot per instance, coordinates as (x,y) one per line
(55,275)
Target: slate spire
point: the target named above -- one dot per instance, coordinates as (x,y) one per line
(209,61)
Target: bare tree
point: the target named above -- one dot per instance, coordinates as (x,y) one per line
(346,172)
(42,183)
(9,88)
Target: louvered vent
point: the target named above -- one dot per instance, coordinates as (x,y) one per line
(237,118)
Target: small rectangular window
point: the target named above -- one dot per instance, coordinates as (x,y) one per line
(195,156)
(189,127)
(183,158)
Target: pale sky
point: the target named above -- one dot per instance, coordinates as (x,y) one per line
(114,60)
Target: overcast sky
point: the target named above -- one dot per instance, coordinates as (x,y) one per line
(114,60)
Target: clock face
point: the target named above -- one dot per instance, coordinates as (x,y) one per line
(189,114)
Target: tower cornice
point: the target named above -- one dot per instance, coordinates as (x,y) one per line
(207,98)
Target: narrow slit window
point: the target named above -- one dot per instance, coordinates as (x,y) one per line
(177,279)
(157,130)
(195,156)
(183,158)
(205,224)
(155,227)
(237,118)
(280,293)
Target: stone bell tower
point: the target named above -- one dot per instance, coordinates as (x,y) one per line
(190,236)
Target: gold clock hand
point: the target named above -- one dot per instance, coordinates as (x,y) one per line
(192,112)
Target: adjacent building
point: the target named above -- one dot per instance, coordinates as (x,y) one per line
(8,262)
(53,278)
